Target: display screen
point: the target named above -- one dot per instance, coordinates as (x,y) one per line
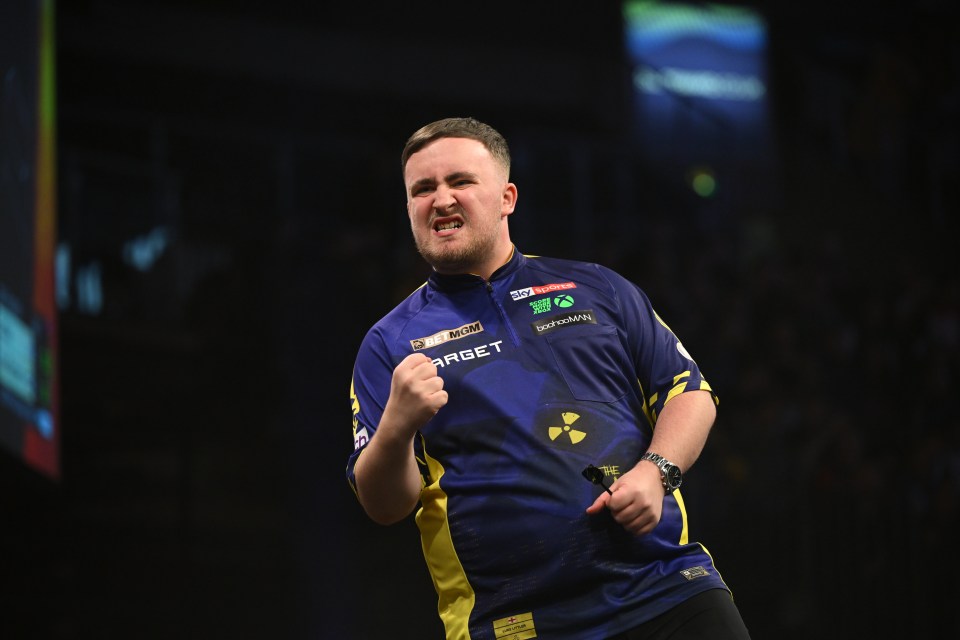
(698,73)
(28,329)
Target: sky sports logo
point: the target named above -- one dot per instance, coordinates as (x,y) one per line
(520,294)
(562,320)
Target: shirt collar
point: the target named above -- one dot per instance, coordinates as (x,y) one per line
(454,282)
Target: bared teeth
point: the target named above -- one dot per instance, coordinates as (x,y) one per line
(449,225)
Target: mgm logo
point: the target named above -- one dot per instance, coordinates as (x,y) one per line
(446,335)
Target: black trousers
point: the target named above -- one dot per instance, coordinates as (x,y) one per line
(710,615)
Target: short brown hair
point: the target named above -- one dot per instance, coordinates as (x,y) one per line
(459,128)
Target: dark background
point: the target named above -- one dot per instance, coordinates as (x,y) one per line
(205,411)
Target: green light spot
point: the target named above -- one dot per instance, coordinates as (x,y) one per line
(704,184)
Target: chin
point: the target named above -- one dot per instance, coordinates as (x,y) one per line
(450,266)
(447,261)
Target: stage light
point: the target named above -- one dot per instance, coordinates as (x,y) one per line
(703,182)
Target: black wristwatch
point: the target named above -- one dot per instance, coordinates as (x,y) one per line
(669,473)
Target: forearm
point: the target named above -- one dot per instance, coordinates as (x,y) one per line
(636,498)
(683,426)
(388,478)
(386,473)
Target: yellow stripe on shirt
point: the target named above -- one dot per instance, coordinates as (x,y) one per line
(449,579)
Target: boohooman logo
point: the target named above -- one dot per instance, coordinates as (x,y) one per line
(561,320)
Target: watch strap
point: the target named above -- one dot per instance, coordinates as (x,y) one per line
(663,464)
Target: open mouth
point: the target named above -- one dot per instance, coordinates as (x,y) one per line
(447,225)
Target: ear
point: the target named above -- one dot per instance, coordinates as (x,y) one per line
(508,199)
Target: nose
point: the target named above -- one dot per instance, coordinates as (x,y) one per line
(443,198)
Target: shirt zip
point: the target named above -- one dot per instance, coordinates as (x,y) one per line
(514,338)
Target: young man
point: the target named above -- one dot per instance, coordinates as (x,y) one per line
(494,392)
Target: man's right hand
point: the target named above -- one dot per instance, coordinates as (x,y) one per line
(416,395)
(388,478)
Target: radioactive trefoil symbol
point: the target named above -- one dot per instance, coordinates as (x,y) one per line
(568,419)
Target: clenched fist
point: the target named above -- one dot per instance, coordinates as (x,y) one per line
(416,395)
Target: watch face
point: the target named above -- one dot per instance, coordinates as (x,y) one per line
(672,476)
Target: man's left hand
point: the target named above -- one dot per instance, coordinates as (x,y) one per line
(636,499)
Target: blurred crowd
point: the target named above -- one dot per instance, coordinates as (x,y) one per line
(833,473)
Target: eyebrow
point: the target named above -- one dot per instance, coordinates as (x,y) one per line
(450,177)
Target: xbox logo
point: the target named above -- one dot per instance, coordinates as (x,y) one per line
(563,301)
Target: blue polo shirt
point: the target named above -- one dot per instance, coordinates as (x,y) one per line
(550,365)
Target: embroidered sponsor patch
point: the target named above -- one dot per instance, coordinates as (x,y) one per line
(518,627)
(543,305)
(446,336)
(694,572)
(562,320)
(526,292)
(360,438)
